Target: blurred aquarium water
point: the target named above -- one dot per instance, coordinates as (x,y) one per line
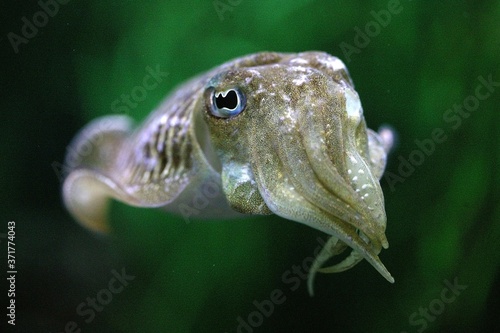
(428,69)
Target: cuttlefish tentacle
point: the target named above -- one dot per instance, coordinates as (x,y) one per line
(299,209)
(332,248)
(302,176)
(380,145)
(271,132)
(329,167)
(348,262)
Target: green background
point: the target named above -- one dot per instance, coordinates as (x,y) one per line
(443,217)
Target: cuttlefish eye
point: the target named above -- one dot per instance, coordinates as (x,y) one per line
(226,104)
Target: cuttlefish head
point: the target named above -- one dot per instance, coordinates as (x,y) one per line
(292,140)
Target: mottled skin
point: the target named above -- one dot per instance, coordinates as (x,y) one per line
(297,146)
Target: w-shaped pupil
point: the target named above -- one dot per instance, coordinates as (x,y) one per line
(230,101)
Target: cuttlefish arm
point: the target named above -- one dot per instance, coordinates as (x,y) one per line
(280,133)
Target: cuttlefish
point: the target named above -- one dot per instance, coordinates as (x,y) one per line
(277,133)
